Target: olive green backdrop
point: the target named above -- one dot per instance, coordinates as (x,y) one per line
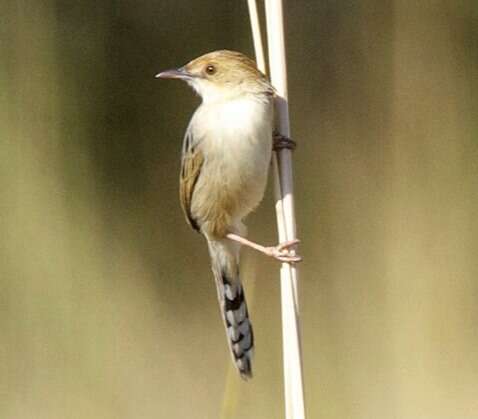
(107,303)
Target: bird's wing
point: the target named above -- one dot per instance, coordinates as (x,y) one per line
(191,164)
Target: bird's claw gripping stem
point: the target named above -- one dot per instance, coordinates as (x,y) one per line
(282,252)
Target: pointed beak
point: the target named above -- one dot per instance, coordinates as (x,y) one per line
(175,73)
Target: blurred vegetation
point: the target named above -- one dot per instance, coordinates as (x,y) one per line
(107,303)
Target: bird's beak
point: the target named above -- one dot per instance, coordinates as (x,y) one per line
(175,73)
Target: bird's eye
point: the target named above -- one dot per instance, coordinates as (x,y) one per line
(210,69)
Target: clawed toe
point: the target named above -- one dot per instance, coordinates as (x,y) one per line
(288,259)
(287,244)
(283,253)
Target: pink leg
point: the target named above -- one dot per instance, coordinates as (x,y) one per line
(280,252)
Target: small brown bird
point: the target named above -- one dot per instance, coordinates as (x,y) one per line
(225,160)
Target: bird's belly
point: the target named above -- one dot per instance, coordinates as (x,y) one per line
(236,145)
(232,183)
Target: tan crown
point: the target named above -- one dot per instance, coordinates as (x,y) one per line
(229,68)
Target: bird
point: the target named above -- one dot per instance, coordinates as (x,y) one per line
(225,159)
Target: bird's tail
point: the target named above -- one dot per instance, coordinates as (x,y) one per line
(225,266)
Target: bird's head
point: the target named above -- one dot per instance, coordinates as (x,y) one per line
(222,75)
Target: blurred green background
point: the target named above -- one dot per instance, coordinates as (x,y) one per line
(107,302)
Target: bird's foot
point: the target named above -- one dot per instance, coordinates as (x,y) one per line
(280,142)
(284,252)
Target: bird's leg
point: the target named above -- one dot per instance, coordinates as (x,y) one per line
(280,252)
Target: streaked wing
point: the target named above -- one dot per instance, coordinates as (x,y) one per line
(191,164)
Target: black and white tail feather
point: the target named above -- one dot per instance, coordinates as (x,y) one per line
(225,266)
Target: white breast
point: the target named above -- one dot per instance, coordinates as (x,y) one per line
(236,140)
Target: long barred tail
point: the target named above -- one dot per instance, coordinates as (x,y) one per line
(225,259)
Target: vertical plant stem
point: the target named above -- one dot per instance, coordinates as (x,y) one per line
(283,188)
(257,36)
